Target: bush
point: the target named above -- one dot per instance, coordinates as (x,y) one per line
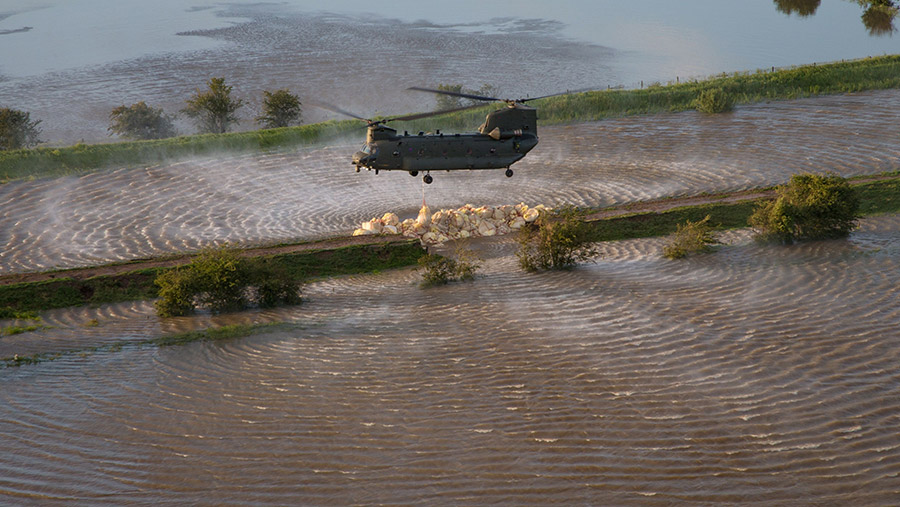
(140,121)
(556,240)
(713,100)
(222,281)
(690,238)
(274,285)
(809,207)
(221,278)
(17,130)
(177,292)
(440,270)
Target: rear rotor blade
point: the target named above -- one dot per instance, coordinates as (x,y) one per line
(433,113)
(455,94)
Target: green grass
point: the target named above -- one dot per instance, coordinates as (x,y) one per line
(48,162)
(741,88)
(138,285)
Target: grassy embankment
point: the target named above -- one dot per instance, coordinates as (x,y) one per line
(139,285)
(744,87)
(876,197)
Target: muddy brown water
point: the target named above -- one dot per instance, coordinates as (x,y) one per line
(757,375)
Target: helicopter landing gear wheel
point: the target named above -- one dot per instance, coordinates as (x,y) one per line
(427,179)
(414,173)
(509,173)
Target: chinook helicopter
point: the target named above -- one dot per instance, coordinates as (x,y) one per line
(505,137)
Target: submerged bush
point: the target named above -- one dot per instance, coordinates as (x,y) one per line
(440,270)
(713,100)
(690,238)
(809,207)
(556,240)
(221,280)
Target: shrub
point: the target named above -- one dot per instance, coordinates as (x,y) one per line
(690,238)
(440,270)
(176,292)
(223,281)
(140,121)
(274,285)
(809,207)
(221,278)
(713,100)
(557,240)
(17,130)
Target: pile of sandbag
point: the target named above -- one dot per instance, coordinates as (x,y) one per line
(465,222)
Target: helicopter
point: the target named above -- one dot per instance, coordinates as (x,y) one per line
(506,136)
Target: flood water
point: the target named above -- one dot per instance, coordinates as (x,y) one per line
(69,63)
(311,193)
(758,375)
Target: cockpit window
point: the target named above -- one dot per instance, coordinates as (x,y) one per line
(367,149)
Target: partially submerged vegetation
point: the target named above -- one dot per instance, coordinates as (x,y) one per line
(224,333)
(691,238)
(223,281)
(558,239)
(441,270)
(739,88)
(66,291)
(809,207)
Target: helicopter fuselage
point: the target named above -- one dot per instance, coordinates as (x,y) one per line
(505,137)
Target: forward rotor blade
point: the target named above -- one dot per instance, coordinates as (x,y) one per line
(335,109)
(455,94)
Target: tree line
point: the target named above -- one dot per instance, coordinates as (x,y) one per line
(212,109)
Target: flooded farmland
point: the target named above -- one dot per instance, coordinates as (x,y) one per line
(758,375)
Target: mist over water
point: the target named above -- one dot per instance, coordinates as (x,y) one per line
(312,193)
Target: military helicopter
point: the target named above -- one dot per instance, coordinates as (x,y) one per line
(505,137)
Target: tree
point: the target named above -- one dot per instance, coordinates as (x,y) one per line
(140,121)
(214,109)
(17,130)
(280,109)
(809,207)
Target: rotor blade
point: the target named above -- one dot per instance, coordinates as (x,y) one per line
(433,113)
(335,109)
(567,92)
(454,94)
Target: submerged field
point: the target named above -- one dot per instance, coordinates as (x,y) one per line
(759,374)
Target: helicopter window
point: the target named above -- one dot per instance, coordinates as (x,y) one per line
(366,149)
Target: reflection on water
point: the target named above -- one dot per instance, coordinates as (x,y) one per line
(878,16)
(758,374)
(799,7)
